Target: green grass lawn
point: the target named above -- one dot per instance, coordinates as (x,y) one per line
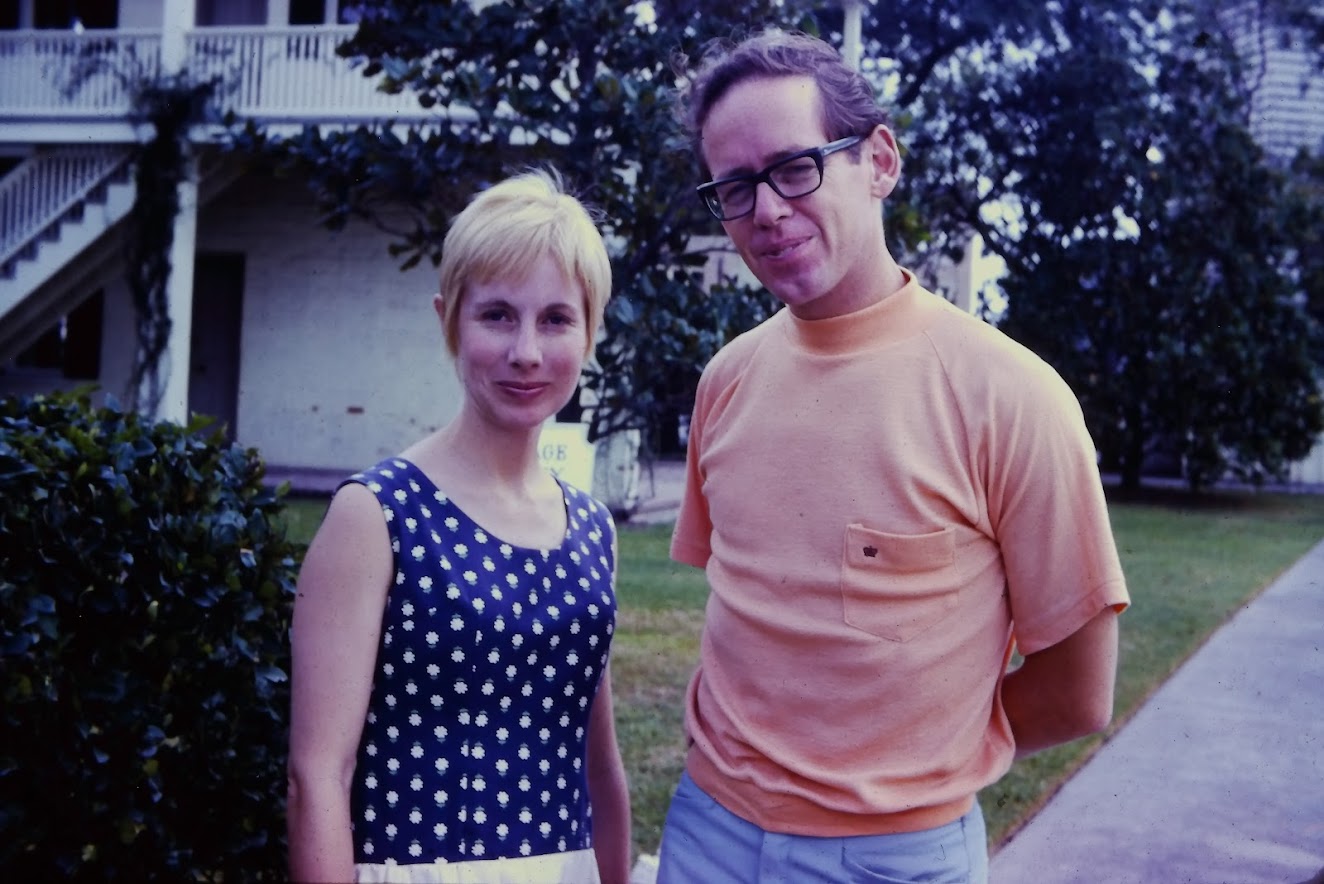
(1190,563)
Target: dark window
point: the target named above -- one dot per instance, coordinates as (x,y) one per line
(307,12)
(88,13)
(73,345)
(230,12)
(313,12)
(8,15)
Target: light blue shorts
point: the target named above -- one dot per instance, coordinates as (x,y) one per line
(703,843)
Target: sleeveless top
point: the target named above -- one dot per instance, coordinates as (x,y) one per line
(474,745)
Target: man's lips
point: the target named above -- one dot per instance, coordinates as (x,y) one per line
(781,248)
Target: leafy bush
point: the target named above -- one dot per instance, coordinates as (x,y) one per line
(145,596)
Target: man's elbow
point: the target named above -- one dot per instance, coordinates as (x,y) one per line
(1091,717)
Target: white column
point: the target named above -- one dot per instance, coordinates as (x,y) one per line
(26,14)
(278,13)
(178,19)
(850,48)
(175,368)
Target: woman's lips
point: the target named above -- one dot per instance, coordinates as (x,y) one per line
(523,388)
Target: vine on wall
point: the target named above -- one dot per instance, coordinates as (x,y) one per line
(171,106)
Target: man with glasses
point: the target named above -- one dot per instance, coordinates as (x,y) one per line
(888,497)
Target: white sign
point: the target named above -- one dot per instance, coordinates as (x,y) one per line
(565,450)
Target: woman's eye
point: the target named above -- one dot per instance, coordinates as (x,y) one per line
(493,315)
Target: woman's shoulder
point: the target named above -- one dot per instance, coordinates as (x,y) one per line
(586,510)
(388,471)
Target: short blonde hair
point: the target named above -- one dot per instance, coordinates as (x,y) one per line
(511,226)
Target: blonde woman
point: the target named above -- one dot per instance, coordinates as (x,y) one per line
(452,712)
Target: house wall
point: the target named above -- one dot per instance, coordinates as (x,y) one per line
(342,361)
(1286,88)
(119,337)
(141,13)
(1310,469)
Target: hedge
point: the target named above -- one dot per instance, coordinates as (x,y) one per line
(145,595)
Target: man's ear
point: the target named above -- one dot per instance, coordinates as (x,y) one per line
(885,157)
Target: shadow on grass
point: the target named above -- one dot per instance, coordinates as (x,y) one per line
(1180,497)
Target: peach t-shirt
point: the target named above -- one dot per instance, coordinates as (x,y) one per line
(883,502)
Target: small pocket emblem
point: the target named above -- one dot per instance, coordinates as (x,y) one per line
(871,551)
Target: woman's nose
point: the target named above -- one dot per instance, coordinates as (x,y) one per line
(526,349)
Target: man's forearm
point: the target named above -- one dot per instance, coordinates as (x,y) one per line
(1064,692)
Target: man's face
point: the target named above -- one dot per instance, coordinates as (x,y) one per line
(822,254)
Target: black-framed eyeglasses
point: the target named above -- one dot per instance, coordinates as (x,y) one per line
(795,176)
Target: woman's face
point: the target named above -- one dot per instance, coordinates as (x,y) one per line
(522,345)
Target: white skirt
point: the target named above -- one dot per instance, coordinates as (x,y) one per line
(572,867)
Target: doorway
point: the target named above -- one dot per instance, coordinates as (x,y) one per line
(215,341)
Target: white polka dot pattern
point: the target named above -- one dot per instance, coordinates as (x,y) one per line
(491,654)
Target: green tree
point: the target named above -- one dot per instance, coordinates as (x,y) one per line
(1304,221)
(1101,150)
(1153,266)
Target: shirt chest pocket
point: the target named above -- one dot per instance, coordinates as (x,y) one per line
(896,586)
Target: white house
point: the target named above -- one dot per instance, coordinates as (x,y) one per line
(312,346)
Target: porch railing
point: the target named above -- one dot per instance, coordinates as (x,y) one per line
(292,74)
(60,74)
(289,74)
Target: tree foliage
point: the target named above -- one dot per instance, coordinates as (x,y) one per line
(1153,266)
(1034,125)
(1304,222)
(1102,151)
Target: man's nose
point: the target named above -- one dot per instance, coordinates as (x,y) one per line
(769,205)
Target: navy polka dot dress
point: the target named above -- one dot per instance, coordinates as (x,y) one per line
(475,739)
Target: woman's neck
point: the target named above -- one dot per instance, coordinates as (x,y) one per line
(497,480)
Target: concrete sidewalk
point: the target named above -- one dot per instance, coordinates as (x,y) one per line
(1218,779)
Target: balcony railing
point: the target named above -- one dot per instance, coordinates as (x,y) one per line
(62,75)
(271,75)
